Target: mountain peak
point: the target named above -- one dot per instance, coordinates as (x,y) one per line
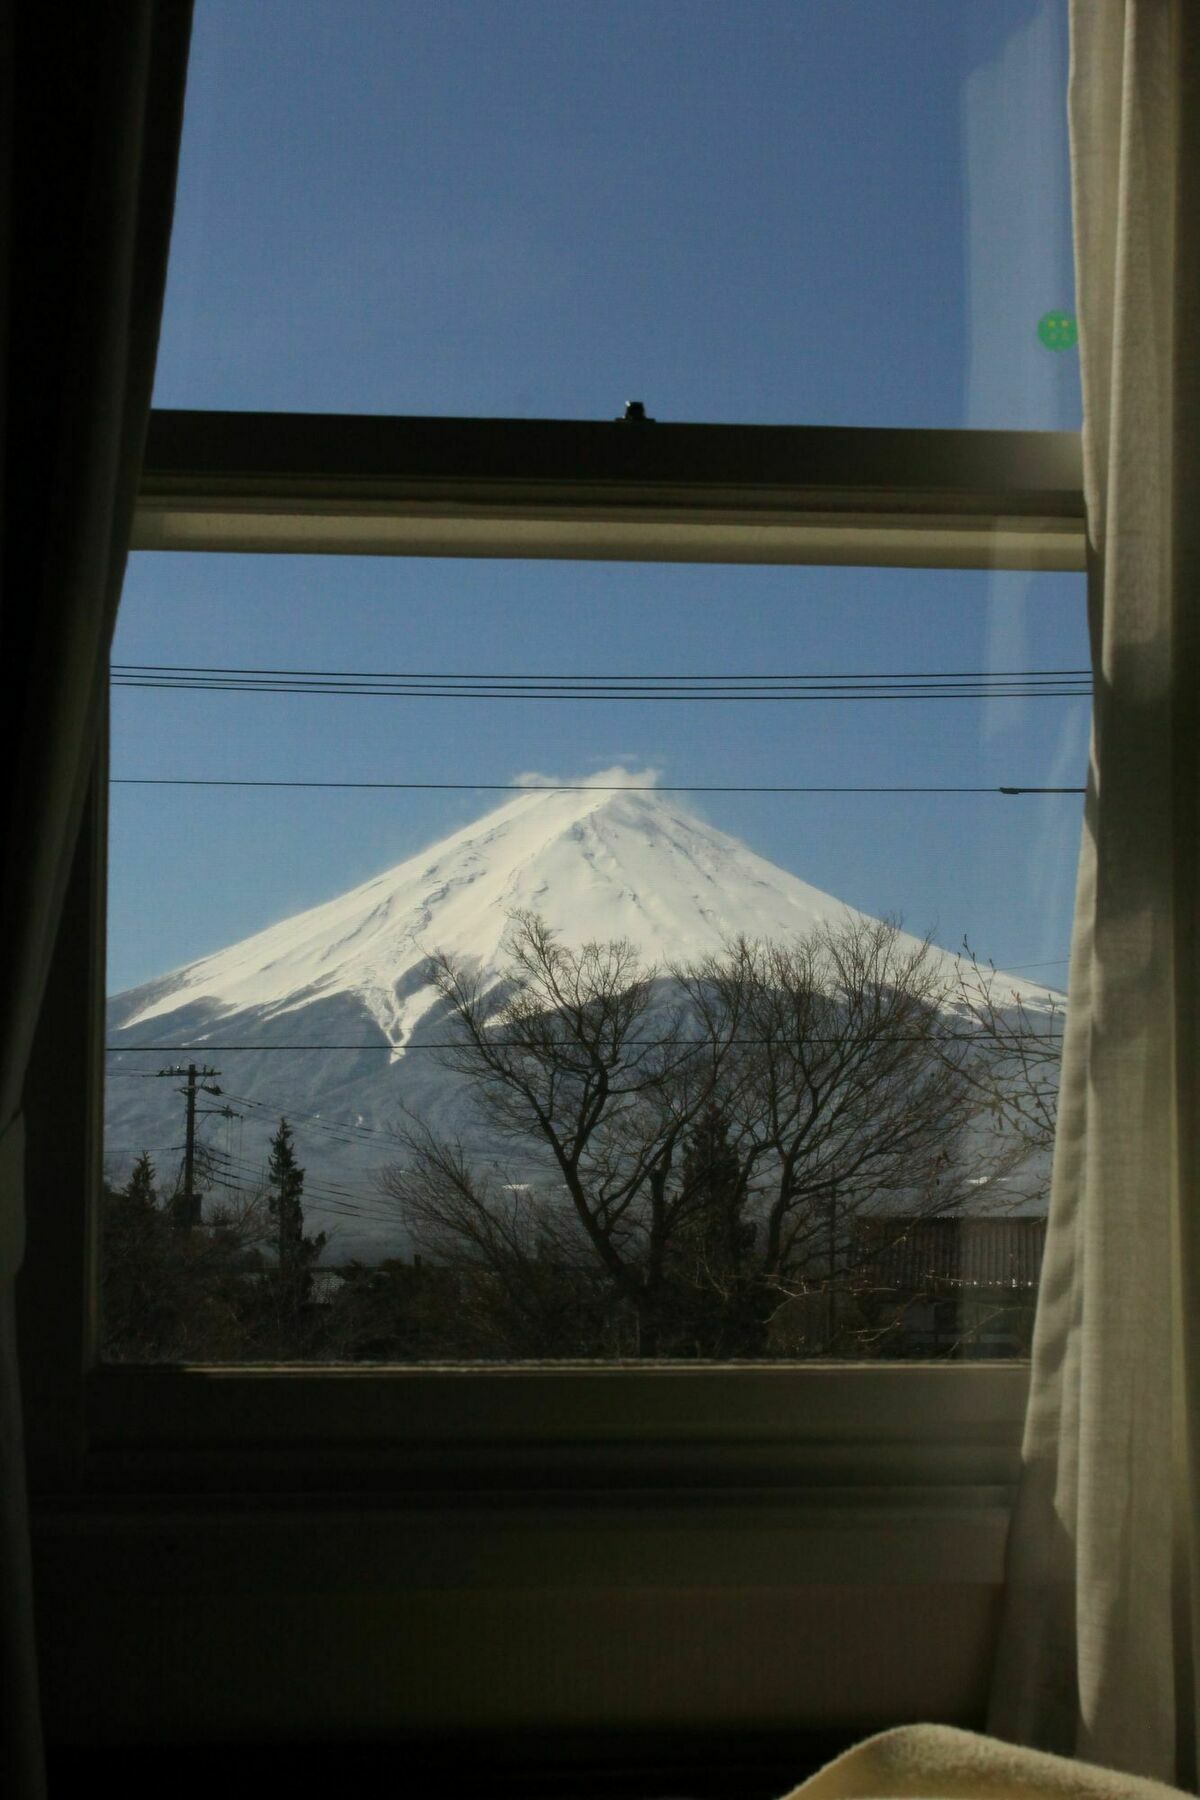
(608,857)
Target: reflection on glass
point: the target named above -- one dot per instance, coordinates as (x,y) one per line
(668,975)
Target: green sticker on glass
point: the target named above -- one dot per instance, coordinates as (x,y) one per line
(1058,331)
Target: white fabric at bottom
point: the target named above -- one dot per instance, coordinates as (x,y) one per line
(938,1762)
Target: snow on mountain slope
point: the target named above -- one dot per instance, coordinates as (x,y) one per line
(596,864)
(348,979)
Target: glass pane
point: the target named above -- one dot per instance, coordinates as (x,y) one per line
(828,1138)
(804,211)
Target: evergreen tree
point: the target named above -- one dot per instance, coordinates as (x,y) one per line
(140,1189)
(285,1179)
(296,1252)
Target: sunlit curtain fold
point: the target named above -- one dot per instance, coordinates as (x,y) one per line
(1097,1651)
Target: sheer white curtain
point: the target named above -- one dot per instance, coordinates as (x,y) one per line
(1097,1650)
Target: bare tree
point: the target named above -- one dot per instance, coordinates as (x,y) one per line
(703,1136)
(1016,1078)
(527,1275)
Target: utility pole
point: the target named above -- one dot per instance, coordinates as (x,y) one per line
(198,1081)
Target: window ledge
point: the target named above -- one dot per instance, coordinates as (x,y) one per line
(754,1431)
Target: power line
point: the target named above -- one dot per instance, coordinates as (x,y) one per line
(223,1162)
(342,1131)
(341,1202)
(248,1171)
(238,1176)
(364,684)
(136,1149)
(1050,962)
(317,1191)
(580,787)
(444,675)
(330,691)
(949,1037)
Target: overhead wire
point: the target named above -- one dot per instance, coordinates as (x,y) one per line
(577,787)
(349,683)
(216,669)
(216,1158)
(329,1197)
(927,684)
(965,1037)
(341,1131)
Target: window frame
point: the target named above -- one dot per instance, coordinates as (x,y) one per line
(618,490)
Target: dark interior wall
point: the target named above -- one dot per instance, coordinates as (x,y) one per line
(276,1625)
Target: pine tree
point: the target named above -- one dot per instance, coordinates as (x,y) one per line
(297,1253)
(140,1189)
(285,1180)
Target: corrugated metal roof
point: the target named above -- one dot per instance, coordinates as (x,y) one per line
(914,1254)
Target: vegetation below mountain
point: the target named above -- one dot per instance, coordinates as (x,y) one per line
(719,1173)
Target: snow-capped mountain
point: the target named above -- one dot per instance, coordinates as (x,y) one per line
(600,862)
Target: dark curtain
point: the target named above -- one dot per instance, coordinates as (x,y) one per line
(92,109)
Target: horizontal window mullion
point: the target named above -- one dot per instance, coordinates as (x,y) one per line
(548,488)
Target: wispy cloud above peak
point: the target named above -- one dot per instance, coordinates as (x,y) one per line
(618,776)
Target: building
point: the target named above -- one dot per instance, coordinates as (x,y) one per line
(956,1287)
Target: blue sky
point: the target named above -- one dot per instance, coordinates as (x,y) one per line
(833,212)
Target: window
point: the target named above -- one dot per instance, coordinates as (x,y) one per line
(537,88)
(229,780)
(1041,507)
(882,481)
(876,1490)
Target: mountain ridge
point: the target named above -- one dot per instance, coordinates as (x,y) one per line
(603,861)
(596,864)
